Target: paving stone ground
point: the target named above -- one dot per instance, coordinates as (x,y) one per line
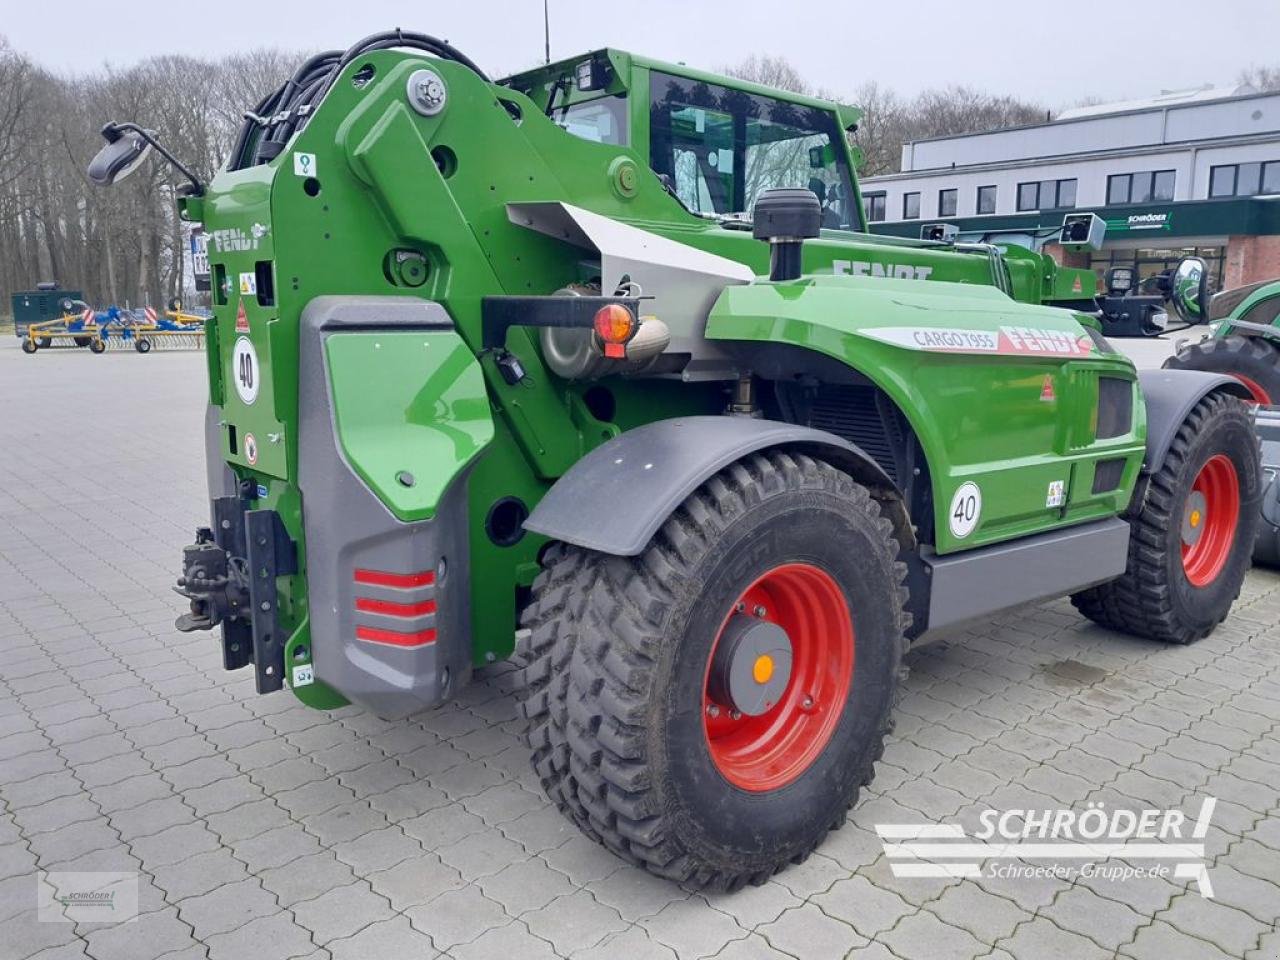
(259,828)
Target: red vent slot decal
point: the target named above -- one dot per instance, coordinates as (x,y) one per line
(395,638)
(380,578)
(391,609)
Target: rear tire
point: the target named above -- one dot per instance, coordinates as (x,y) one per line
(1251,360)
(45,342)
(1174,590)
(142,345)
(83,341)
(646,749)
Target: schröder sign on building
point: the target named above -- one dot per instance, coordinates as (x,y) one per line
(1196,172)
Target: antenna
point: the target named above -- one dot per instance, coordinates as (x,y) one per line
(546,28)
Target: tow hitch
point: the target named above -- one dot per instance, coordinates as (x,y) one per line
(229,576)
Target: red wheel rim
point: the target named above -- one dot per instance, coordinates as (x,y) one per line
(1255,389)
(1209,520)
(769,751)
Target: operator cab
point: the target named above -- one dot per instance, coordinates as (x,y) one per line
(716,147)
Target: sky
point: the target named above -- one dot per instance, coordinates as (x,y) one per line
(1055,53)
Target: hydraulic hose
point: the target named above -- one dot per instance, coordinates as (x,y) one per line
(285,111)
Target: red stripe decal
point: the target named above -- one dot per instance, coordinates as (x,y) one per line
(379,578)
(395,638)
(369,605)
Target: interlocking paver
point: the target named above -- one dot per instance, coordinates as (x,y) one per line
(1160,941)
(123,745)
(575,922)
(458,916)
(391,939)
(806,929)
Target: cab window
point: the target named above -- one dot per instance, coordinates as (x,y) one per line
(720,149)
(602,120)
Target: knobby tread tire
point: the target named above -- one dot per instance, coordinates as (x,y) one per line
(623,621)
(1141,601)
(543,649)
(1233,355)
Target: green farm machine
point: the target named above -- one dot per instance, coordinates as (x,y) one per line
(596,366)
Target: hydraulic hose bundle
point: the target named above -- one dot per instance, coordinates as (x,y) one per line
(280,114)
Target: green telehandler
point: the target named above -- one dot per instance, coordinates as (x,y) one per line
(596,366)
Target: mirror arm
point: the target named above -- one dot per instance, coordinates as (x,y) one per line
(197,188)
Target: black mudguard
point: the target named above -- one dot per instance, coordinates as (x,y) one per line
(615,498)
(1170,395)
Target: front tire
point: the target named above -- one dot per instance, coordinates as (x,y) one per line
(1251,360)
(671,773)
(29,346)
(1192,534)
(98,346)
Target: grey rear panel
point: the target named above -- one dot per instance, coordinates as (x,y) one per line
(348,529)
(977,583)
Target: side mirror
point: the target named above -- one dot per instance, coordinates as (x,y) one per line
(1189,290)
(123,153)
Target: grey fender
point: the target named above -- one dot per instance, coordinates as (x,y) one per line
(1170,395)
(616,497)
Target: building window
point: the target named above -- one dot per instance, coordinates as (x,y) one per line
(986,200)
(1271,177)
(1222,181)
(1047,195)
(1119,188)
(911,206)
(1244,179)
(1145,187)
(875,206)
(947,203)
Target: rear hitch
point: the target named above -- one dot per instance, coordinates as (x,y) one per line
(229,577)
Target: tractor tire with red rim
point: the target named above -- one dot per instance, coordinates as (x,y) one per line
(1192,531)
(730,687)
(1251,360)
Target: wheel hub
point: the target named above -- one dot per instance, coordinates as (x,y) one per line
(751,667)
(1194,518)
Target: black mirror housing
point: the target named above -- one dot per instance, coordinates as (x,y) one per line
(1189,290)
(122,154)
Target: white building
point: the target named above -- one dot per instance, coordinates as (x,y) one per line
(1179,172)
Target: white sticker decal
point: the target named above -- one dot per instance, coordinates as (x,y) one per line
(248,285)
(966,510)
(304,164)
(244,370)
(303,674)
(1057,494)
(1006,341)
(250,449)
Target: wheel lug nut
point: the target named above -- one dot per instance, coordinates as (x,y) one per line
(713,710)
(807,703)
(760,611)
(735,715)
(740,606)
